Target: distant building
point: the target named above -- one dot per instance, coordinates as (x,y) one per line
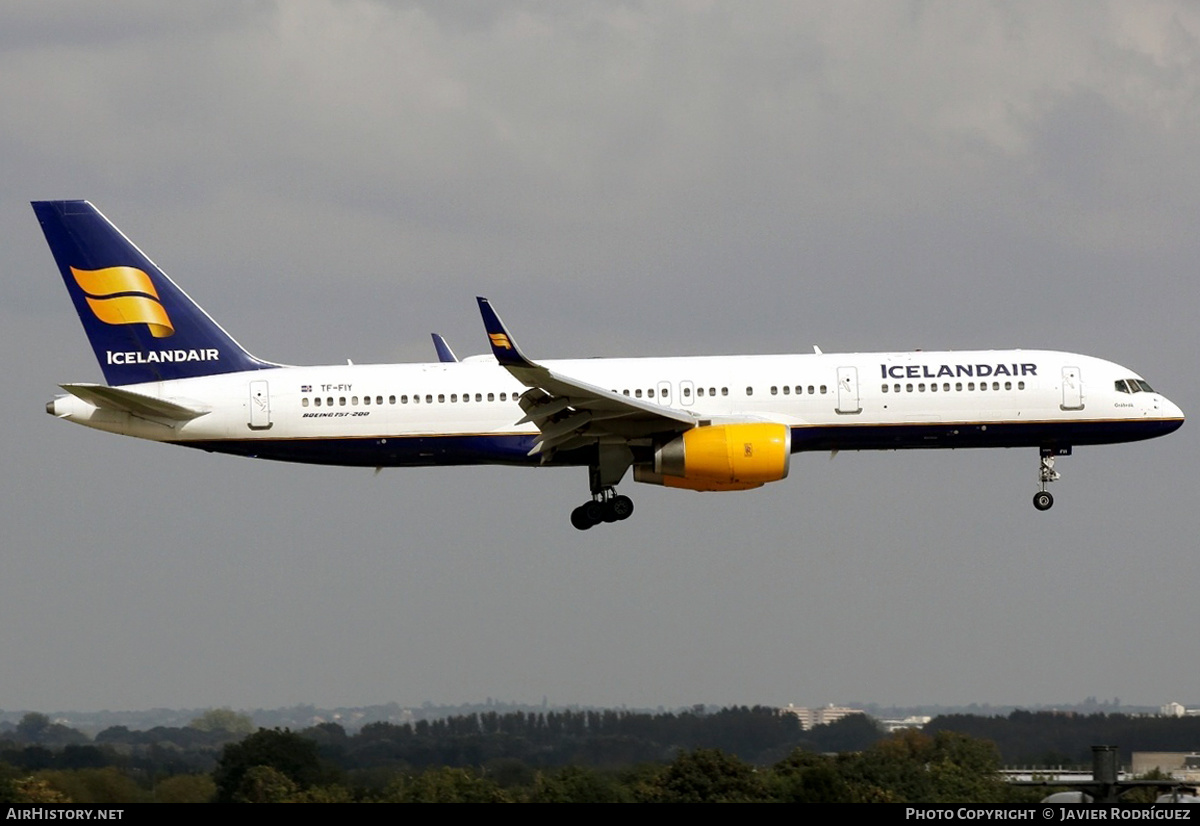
(914,721)
(1181,765)
(823,716)
(1178,710)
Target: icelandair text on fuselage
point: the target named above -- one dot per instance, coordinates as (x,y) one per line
(162,356)
(1051,813)
(44,813)
(955,371)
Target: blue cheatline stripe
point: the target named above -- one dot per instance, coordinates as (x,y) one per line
(512,449)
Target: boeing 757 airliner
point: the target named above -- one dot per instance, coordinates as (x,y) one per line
(714,423)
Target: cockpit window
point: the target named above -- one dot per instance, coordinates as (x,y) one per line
(1133,386)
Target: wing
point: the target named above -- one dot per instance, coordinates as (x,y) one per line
(572,413)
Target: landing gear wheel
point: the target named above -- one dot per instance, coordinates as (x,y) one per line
(1043,500)
(609,514)
(579,519)
(593,511)
(606,506)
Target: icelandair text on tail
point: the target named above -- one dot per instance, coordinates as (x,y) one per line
(161,356)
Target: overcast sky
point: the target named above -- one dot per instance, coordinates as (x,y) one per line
(336,180)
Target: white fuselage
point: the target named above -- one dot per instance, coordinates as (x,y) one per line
(466,412)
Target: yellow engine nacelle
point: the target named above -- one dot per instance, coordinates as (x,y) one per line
(721,457)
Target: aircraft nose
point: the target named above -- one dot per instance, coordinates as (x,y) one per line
(1172,410)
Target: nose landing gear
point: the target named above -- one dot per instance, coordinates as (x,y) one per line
(1042,500)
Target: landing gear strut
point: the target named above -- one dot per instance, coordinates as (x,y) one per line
(606,506)
(1042,500)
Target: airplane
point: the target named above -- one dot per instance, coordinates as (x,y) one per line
(707,423)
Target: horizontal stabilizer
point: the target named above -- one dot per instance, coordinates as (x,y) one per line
(126,401)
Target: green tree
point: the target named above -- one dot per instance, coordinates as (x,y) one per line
(804,777)
(185,788)
(291,755)
(705,776)
(95,787)
(263,784)
(446,785)
(223,719)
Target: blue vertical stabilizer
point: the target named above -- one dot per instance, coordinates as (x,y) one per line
(142,327)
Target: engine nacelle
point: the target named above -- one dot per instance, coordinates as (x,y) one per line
(721,457)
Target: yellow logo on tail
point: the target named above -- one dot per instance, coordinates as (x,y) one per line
(124,295)
(500,340)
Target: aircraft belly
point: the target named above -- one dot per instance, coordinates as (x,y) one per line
(381,451)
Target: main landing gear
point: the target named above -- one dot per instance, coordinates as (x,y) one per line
(1042,500)
(606,506)
(611,462)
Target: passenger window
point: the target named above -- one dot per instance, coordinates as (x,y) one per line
(749,391)
(428,398)
(1020,385)
(650,393)
(354,400)
(810,390)
(885,389)
(329,401)
(637,393)
(491,397)
(995,385)
(824,390)
(391,399)
(970,385)
(774,390)
(317,401)
(687,392)
(958,386)
(342,401)
(908,388)
(1008,385)
(724,391)
(304,402)
(453,397)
